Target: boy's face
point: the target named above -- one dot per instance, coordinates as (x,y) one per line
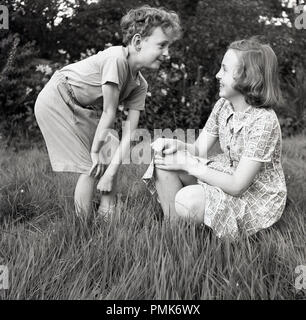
(226,75)
(154,49)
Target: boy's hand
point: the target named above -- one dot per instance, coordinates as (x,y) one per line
(97,168)
(105,183)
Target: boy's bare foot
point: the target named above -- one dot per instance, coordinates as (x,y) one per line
(107,208)
(106,213)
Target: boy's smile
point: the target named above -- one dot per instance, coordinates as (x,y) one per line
(154,49)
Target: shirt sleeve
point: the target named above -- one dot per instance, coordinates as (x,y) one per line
(212,123)
(136,100)
(262,139)
(113,69)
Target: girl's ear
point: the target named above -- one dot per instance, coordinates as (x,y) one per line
(136,41)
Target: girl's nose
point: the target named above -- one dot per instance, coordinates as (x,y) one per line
(218,75)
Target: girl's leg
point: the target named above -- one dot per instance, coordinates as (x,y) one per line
(190,203)
(83,195)
(168,183)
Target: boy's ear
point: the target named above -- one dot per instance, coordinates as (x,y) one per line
(136,41)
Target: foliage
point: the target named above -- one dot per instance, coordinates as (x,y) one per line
(294,119)
(182,93)
(18,87)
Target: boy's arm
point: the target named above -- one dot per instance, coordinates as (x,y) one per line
(127,135)
(110,103)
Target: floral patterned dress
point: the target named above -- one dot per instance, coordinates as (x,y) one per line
(254,134)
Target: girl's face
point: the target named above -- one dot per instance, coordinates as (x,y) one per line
(154,49)
(226,75)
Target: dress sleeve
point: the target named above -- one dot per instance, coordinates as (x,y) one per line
(212,124)
(262,139)
(136,100)
(113,69)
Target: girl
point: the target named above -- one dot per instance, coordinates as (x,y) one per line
(68,110)
(243,188)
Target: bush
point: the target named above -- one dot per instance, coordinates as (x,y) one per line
(20,83)
(181,94)
(293,114)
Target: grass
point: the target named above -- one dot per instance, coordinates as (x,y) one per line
(52,255)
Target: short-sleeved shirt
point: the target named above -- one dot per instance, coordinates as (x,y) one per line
(254,134)
(87,76)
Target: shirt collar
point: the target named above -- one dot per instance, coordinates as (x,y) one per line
(126,54)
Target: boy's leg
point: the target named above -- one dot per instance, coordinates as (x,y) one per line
(83,195)
(108,200)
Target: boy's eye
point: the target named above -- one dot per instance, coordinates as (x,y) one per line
(163,45)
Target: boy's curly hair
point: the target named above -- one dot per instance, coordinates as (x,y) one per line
(144,19)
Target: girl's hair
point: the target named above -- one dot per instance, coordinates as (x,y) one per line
(257,75)
(145,19)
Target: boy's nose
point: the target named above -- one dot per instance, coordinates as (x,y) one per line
(166,52)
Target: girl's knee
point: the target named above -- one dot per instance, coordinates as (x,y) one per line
(183,202)
(163,174)
(190,202)
(160,172)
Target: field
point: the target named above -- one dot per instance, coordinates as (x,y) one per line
(51,254)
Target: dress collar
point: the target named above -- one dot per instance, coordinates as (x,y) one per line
(239,117)
(246,111)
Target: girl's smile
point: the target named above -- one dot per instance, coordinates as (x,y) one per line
(226,75)
(227,80)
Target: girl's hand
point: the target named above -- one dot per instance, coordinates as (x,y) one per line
(181,160)
(97,168)
(166,146)
(105,183)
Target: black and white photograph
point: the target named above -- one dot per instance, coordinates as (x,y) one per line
(152,151)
